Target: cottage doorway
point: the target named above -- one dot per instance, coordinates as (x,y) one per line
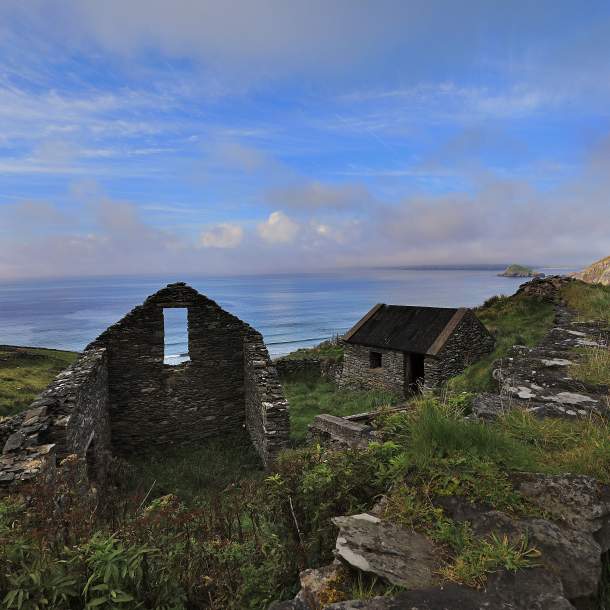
(415,373)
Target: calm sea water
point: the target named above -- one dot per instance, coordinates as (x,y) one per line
(291,311)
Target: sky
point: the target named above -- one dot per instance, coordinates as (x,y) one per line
(154,136)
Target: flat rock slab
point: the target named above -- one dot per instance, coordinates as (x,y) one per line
(578,501)
(399,556)
(534,589)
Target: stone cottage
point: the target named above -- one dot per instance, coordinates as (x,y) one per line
(403,348)
(121,398)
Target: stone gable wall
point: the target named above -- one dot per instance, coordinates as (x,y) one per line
(266,408)
(120,398)
(357,373)
(155,405)
(469,342)
(69,417)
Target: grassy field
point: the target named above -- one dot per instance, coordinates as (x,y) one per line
(310,397)
(512,320)
(591,301)
(25,372)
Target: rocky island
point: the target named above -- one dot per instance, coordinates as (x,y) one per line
(520,271)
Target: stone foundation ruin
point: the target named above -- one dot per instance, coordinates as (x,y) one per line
(120,398)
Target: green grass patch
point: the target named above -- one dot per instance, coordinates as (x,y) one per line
(198,474)
(25,372)
(328,350)
(237,538)
(517,319)
(310,397)
(591,301)
(578,446)
(593,365)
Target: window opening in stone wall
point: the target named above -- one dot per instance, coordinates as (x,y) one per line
(175,336)
(375,360)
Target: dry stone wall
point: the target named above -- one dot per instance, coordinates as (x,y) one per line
(69,417)
(155,405)
(119,397)
(469,342)
(358,374)
(310,367)
(266,411)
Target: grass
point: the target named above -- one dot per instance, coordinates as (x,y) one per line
(328,350)
(519,319)
(310,397)
(198,474)
(578,446)
(593,365)
(25,372)
(591,301)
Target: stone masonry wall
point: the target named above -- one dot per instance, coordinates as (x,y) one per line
(357,373)
(266,406)
(305,367)
(119,397)
(155,405)
(69,417)
(468,343)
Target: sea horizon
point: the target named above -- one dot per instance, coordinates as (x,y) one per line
(291,310)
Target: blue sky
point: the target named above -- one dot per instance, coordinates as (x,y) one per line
(244,137)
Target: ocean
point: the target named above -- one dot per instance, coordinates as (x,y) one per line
(291,311)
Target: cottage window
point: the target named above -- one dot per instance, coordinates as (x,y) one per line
(375,360)
(175,336)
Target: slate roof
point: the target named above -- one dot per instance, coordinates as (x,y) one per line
(420,330)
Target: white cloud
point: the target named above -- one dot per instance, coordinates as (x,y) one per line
(314,194)
(223,235)
(278,228)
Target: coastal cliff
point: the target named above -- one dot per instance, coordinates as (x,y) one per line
(596,273)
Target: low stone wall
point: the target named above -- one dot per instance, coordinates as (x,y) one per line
(309,367)
(298,368)
(69,417)
(267,418)
(331,370)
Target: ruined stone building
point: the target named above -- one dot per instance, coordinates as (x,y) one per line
(120,398)
(401,348)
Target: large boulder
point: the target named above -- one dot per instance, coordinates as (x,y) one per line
(395,554)
(578,501)
(573,555)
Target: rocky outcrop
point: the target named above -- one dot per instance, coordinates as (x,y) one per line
(534,589)
(538,378)
(597,273)
(397,555)
(576,501)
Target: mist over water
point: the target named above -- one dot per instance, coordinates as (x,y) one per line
(291,311)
